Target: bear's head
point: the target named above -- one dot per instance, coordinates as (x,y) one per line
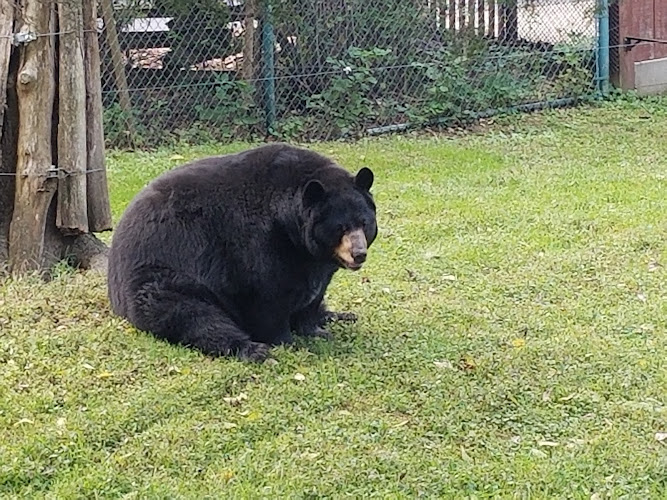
(341,224)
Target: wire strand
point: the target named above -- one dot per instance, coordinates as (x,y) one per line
(342,70)
(12,36)
(53,174)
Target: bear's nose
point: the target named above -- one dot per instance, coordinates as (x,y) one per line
(360,258)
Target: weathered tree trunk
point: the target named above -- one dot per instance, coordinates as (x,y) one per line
(118,67)
(34,185)
(249,54)
(36,135)
(6,161)
(72,213)
(99,210)
(86,252)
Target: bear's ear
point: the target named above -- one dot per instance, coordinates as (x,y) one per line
(313,193)
(364,179)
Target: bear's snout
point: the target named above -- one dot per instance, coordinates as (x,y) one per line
(359,258)
(351,252)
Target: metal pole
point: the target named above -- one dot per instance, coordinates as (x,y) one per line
(603,47)
(268,67)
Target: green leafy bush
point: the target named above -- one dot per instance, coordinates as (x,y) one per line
(232,107)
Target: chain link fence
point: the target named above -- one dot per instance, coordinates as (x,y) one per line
(323,69)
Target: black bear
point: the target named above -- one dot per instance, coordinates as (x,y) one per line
(231,254)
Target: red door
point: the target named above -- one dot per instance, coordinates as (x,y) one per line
(643,20)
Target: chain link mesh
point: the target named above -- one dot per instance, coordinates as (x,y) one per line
(324,69)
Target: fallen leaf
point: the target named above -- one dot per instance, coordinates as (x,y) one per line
(300,377)
(88,367)
(518,342)
(641,297)
(653,266)
(104,374)
(547,443)
(234,400)
(176,157)
(227,475)
(661,436)
(444,364)
(449,277)
(253,415)
(60,422)
(467,363)
(24,421)
(546,395)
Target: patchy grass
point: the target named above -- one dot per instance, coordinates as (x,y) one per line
(512,341)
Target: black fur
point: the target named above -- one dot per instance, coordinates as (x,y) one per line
(230,254)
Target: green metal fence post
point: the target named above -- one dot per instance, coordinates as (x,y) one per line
(268,66)
(603,47)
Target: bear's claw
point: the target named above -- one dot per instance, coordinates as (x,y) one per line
(254,351)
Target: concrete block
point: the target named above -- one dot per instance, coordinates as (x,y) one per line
(651,76)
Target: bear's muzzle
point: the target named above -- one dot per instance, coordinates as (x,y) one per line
(351,252)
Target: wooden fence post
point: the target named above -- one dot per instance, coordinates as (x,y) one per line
(111,33)
(6,182)
(249,53)
(99,209)
(34,187)
(72,213)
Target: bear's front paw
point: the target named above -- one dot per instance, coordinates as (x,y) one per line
(319,332)
(254,351)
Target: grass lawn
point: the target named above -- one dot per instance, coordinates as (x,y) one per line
(512,340)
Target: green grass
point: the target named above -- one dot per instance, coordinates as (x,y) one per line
(512,340)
